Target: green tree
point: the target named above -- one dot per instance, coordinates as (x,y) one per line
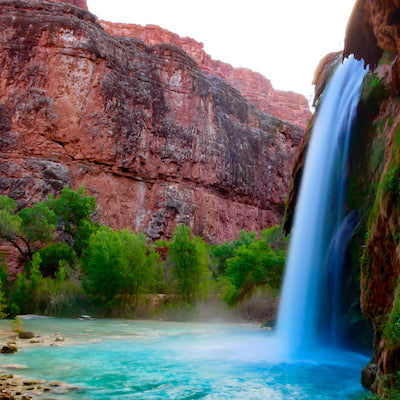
(101,261)
(254,265)
(10,224)
(220,253)
(3,302)
(190,264)
(29,226)
(74,210)
(138,266)
(37,225)
(118,264)
(275,237)
(246,238)
(51,256)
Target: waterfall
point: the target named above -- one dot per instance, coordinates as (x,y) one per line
(321,226)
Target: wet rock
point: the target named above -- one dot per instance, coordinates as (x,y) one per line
(13,366)
(368,375)
(6,396)
(9,348)
(26,335)
(59,338)
(34,382)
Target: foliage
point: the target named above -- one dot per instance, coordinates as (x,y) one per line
(8,204)
(190,264)
(52,254)
(220,254)
(74,264)
(31,225)
(391,183)
(10,225)
(118,264)
(254,265)
(392,327)
(275,237)
(74,210)
(73,207)
(38,223)
(247,238)
(373,90)
(3,303)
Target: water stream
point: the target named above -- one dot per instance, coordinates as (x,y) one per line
(322,227)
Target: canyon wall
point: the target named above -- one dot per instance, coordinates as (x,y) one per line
(373,34)
(257,89)
(155,140)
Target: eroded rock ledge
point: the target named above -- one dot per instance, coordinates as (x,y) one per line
(257,89)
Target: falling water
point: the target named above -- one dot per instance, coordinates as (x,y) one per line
(321,226)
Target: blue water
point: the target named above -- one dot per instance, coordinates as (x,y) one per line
(121,359)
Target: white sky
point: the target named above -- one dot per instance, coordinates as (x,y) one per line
(282,39)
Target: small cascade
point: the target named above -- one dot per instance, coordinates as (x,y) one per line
(311,290)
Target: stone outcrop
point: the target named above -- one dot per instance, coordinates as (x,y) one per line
(77,3)
(258,90)
(373,34)
(373,28)
(155,139)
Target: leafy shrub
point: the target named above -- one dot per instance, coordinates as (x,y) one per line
(254,265)
(190,264)
(391,183)
(118,264)
(392,326)
(52,254)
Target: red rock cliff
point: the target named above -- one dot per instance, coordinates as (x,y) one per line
(288,106)
(78,3)
(373,34)
(150,135)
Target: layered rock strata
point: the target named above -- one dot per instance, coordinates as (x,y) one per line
(156,140)
(257,89)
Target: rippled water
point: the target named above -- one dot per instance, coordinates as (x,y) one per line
(121,359)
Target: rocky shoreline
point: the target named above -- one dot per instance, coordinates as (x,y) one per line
(16,386)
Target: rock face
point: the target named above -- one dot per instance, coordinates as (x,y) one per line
(374,28)
(288,106)
(78,3)
(373,35)
(150,135)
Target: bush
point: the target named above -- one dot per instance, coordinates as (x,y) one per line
(392,327)
(51,256)
(118,264)
(254,265)
(189,265)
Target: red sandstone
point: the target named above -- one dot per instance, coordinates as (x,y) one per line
(288,106)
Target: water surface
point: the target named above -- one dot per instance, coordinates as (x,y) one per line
(123,359)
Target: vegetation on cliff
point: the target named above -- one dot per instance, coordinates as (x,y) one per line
(374,190)
(74,265)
